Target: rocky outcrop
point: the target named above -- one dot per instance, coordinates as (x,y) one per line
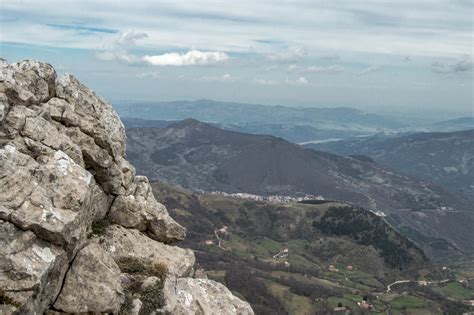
(120,242)
(141,211)
(30,269)
(80,232)
(186,296)
(93,274)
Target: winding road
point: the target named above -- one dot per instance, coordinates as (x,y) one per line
(389,287)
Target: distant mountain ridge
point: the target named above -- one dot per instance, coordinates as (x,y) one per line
(458,124)
(297,124)
(446,158)
(145,123)
(199,156)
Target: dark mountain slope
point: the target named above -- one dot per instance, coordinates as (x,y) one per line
(202,157)
(444,158)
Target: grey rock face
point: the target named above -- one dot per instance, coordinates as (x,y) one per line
(93,274)
(141,211)
(63,172)
(186,296)
(27,264)
(120,242)
(57,203)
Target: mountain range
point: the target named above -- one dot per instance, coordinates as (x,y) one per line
(446,158)
(199,156)
(462,123)
(297,124)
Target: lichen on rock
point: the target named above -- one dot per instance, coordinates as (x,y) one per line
(63,178)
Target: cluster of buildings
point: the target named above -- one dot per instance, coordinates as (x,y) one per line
(281,254)
(333,268)
(275,198)
(365,305)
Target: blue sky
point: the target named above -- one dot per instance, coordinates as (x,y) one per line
(376,55)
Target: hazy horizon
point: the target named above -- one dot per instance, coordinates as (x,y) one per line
(436,115)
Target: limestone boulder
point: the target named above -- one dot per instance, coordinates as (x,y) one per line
(121,242)
(52,196)
(77,106)
(93,283)
(93,115)
(16,178)
(31,270)
(31,80)
(140,210)
(189,296)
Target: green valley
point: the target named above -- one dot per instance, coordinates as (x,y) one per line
(303,258)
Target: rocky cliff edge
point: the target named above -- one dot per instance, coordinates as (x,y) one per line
(80,232)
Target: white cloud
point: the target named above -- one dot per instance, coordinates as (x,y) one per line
(371,32)
(325,69)
(119,48)
(332,69)
(302,81)
(293,54)
(287,81)
(118,54)
(265,82)
(292,68)
(130,38)
(298,81)
(420,28)
(191,58)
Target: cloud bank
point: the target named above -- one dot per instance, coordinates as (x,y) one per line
(119,48)
(325,69)
(333,52)
(191,58)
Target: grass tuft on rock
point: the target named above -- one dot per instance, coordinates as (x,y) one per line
(150,295)
(6,300)
(100,226)
(152,298)
(136,266)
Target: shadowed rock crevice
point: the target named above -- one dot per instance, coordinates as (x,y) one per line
(71,207)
